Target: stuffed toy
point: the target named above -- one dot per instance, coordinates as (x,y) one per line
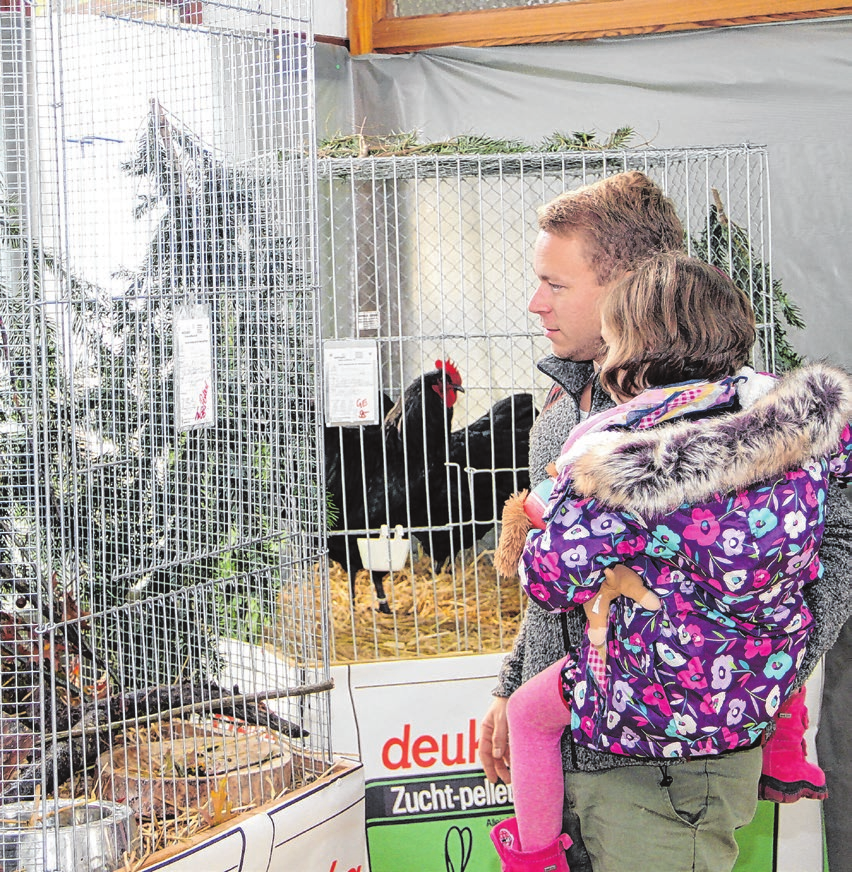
(521,512)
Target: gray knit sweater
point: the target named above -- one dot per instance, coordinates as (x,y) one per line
(544,637)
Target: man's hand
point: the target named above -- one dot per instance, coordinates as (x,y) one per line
(494,742)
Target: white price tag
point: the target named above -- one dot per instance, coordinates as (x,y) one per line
(195,395)
(351,376)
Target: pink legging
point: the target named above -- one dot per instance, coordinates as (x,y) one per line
(537,716)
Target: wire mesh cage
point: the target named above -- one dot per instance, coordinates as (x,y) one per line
(162,526)
(429,259)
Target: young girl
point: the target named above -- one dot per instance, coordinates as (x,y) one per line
(703,501)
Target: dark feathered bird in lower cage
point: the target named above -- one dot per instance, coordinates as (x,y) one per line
(379,474)
(487,462)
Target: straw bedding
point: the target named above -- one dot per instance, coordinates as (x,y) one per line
(464,608)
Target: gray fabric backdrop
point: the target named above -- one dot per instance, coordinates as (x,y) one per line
(787,86)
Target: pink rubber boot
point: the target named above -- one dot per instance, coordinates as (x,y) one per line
(513,859)
(787,775)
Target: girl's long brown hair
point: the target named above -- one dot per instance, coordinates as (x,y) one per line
(674,318)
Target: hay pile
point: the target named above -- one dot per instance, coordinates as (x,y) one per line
(463,608)
(162,831)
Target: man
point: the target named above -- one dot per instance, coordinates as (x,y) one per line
(633,814)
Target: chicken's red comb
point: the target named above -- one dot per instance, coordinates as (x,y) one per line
(452,373)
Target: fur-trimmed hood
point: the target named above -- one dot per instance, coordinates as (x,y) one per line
(800,418)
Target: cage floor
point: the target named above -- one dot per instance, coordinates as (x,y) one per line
(171,800)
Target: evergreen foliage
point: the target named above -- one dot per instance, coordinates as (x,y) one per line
(409,145)
(727,246)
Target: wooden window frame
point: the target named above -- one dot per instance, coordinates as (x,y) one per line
(372,27)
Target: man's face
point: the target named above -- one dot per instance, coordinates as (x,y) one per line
(567,297)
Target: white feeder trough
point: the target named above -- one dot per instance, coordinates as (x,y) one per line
(64,836)
(384,554)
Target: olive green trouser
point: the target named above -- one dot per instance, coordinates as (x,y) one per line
(630,822)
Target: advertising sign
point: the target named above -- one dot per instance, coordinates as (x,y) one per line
(429,805)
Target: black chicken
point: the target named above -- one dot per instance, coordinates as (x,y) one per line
(374,473)
(488,461)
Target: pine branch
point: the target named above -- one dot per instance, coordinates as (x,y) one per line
(408,144)
(727,245)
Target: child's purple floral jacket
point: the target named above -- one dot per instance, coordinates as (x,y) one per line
(723,517)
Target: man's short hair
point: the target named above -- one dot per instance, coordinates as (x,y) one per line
(624,218)
(674,319)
